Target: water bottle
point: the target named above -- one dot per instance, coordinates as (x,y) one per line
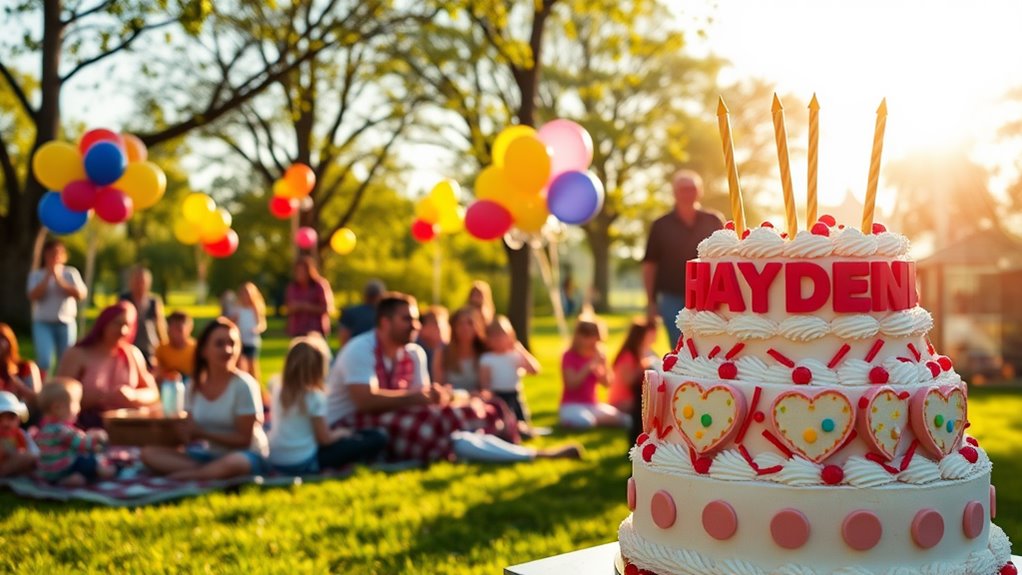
(172,396)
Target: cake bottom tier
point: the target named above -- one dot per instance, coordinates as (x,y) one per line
(698,525)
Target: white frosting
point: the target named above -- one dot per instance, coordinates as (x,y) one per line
(800,472)
(862,472)
(809,245)
(672,458)
(720,243)
(762,243)
(854,372)
(677,560)
(956,466)
(822,375)
(700,366)
(891,244)
(920,470)
(910,322)
(731,466)
(753,369)
(903,372)
(852,242)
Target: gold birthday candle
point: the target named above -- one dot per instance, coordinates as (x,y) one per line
(814,159)
(734,186)
(781,136)
(874,168)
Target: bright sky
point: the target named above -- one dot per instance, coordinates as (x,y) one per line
(941,65)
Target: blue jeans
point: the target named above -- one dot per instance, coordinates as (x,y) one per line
(199,453)
(669,305)
(51,337)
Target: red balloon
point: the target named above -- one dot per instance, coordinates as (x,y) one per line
(223,247)
(306,238)
(113,205)
(423,231)
(283,208)
(79,195)
(487,220)
(99,135)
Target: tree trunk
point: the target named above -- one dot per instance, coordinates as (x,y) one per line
(598,237)
(519,263)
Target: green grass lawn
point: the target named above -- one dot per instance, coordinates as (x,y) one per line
(450,518)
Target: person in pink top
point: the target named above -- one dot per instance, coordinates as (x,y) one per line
(309,301)
(111,369)
(583,368)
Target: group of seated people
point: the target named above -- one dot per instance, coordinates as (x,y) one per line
(381,398)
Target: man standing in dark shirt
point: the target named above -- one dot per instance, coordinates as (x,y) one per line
(673,239)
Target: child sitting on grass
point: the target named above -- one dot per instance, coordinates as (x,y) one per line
(583,367)
(300,441)
(501,369)
(17,452)
(68,456)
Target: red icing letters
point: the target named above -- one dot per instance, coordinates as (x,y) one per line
(760,282)
(851,287)
(794,274)
(893,287)
(724,289)
(697,283)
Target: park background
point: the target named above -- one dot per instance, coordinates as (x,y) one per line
(383,99)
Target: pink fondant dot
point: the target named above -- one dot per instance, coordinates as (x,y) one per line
(973,519)
(790,528)
(720,520)
(862,530)
(663,510)
(927,528)
(631,494)
(993,502)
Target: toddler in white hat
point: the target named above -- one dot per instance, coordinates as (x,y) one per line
(17,451)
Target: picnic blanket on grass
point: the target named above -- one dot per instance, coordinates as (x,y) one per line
(135,487)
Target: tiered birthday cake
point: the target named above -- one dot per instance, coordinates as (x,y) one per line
(805,424)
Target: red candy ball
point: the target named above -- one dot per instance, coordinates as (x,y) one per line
(832,474)
(631,569)
(730,225)
(1009,569)
(934,368)
(972,441)
(643,438)
(827,219)
(969,453)
(745,234)
(820,229)
(944,362)
(801,375)
(727,370)
(766,225)
(669,362)
(879,228)
(648,451)
(878,375)
(702,465)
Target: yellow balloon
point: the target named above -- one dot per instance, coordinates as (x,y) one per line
(505,138)
(452,221)
(283,189)
(445,194)
(343,241)
(492,184)
(144,183)
(197,207)
(427,211)
(186,232)
(57,164)
(530,214)
(527,164)
(214,225)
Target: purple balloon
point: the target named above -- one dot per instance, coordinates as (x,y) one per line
(575,197)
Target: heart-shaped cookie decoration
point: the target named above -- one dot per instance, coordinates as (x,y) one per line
(815,426)
(883,417)
(938,416)
(650,395)
(707,418)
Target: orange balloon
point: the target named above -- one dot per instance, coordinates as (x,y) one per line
(504,139)
(301,180)
(530,214)
(492,184)
(135,149)
(527,164)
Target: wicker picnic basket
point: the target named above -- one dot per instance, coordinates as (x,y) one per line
(141,427)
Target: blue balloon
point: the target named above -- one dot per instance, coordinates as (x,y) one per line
(57,217)
(575,197)
(105,163)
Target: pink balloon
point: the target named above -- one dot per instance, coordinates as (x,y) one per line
(306,238)
(113,206)
(79,195)
(487,220)
(571,144)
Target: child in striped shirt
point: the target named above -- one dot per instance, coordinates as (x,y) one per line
(68,456)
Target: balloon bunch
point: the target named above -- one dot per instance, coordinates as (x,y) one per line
(203,222)
(438,212)
(107,172)
(535,174)
(290,190)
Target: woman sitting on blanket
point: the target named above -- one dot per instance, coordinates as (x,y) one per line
(300,441)
(380,380)
(111,369)
(223,433)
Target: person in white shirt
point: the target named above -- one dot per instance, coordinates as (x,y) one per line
(380,380)
(301,443)
(501,369)
(54,290)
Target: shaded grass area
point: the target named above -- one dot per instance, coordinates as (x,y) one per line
(449,518)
